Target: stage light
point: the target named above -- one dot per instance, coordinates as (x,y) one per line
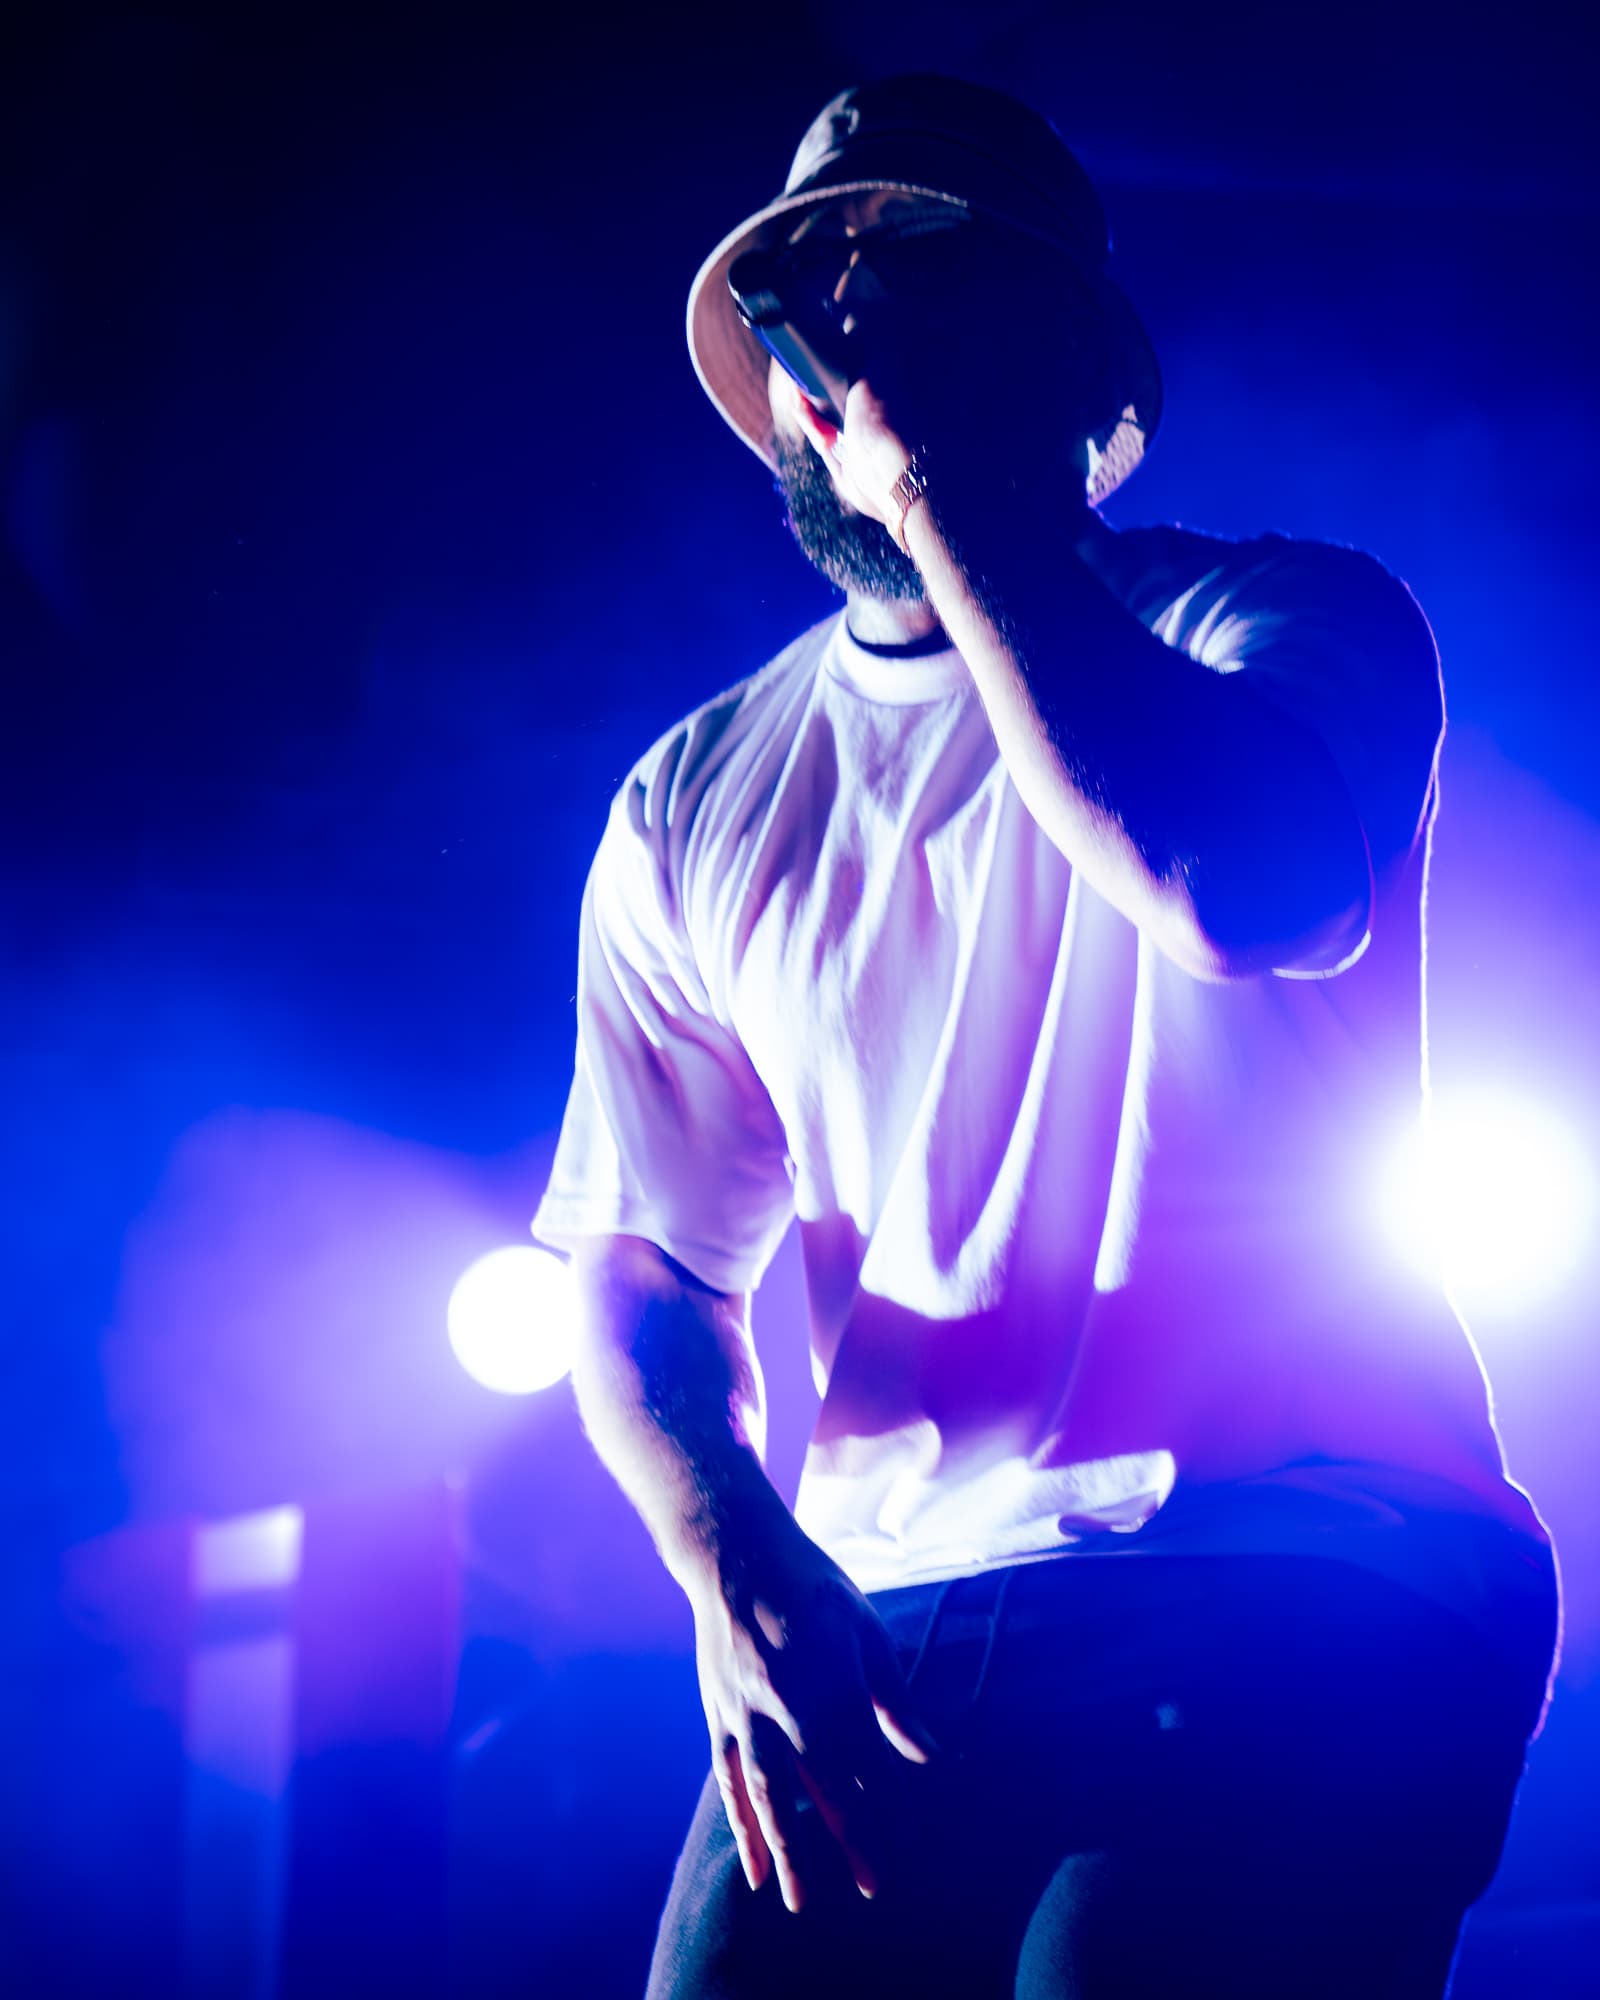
(1497,1196)
(512,1317)
(251,1552)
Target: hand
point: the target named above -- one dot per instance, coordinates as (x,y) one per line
(866,454)
(801,1689)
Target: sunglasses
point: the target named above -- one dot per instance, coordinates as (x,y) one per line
(806,300)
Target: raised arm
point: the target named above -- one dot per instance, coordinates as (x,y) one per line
(1212,819)
(799,1682)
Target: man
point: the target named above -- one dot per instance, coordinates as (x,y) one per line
(1045,935)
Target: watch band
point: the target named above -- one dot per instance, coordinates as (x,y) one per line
(908,489)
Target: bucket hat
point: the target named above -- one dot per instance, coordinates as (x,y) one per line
(939,139)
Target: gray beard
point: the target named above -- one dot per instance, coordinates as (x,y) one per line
(854,552)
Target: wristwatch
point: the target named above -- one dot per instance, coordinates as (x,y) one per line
(908,489)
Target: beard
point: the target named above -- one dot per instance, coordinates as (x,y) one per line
(853,551)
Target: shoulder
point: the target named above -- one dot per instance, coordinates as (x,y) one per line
(1223,599)
(711,745)
(722,747)
(1320,630)
(712,773)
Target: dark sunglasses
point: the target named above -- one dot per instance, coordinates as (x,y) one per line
(786,294)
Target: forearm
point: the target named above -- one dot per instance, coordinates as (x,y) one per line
(796,1674)
(1083,773)
(670,1395)
(1216,824)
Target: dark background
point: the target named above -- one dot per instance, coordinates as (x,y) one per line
(363,521)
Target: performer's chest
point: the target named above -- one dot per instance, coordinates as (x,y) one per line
(891,864)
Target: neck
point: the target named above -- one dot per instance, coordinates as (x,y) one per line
(883,621)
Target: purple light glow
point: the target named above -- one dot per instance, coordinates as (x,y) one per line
(512,1318)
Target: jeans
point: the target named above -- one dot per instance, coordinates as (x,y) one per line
(1174,1776)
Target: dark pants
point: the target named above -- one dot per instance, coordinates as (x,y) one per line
(1162,1776)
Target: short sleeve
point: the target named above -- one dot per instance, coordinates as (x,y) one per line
(669,1134)
(1329,636)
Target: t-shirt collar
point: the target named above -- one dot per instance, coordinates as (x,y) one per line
(901,682)
(895,681)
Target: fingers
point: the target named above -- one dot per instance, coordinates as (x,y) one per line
(863,404)
(760,1815)
(823,435)
(905,1734)
(840,1776)
(785,1721)
(831,1736)
(758,1795)
(728,1767)
(768,1767)
(891,1702)
(841,1820)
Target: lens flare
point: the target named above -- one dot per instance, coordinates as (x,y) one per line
(512,1317)
(1496,1196)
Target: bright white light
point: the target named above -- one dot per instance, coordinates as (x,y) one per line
(250,1552)
(1498,1198)
(512,1318)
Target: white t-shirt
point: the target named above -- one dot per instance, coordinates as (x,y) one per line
(1092,1248)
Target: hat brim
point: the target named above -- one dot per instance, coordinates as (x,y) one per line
(733,365)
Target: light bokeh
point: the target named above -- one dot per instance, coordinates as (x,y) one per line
(1496,1194)
(512,1318)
